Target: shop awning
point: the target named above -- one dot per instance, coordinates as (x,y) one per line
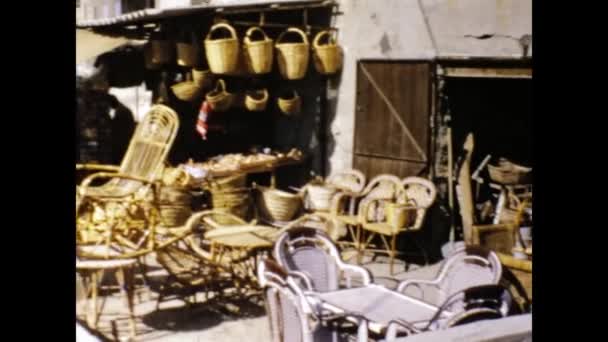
(89,44)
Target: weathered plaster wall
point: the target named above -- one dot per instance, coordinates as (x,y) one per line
(369,29)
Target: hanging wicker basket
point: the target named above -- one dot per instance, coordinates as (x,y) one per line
(278,205)
(290,105)
(258,53)
(189,52)
(187,91)
(256,100)
(222,53)
(293,57)
(327,57)
(162,51)
(148,60)
(202,77)
(219,99)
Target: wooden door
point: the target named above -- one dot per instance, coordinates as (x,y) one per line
(392,118)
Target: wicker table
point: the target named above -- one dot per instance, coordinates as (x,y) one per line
(240,247)
(377,304)
(92,272)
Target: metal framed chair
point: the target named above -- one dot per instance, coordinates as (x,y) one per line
(462,307)
(467,267)
(419,194)
(291,316)
(311,252)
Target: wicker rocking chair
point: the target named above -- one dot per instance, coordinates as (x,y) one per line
(126,201)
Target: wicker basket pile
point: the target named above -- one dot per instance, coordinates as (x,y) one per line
(230,195)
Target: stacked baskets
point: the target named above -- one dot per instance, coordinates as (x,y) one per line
(277,205)
(230,195)
(175,206)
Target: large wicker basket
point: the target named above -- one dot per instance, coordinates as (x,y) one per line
(258,53)
(236,202)
(219,99)
(222,53)
(175,206)
(327,57)
(277,205)
(293,57)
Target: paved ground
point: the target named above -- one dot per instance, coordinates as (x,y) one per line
(203,322)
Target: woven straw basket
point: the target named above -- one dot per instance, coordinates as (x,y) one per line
(148,60)
(256,100)
(293,57)
(278,205)
(174,215)
(203,78)
(236,202)
(327,57)
(222,53)
(258,53)
(228,183)
(162,51)
(509,173)
(187,91)
(319,196)
(290,105)
(219,99)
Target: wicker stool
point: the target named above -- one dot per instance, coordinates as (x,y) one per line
(92,272)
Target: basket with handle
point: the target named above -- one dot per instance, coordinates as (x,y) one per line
(290,105)
(327,57)
(318,195)
(256,100)
(187,91)
(258,53)
(293,57)
(219,99)
(188,52)
(276,204)
(222,53)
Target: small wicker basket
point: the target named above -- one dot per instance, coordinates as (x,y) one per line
(290,105)
(509,173)
(162,51)
(187,91)
(222,53)
(202,77)
(293,57)
(318,196)
(258,53)
(256,100)
(328,57)
(219,99)
(277,205)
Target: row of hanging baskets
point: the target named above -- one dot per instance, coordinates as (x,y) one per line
(226,55)
(221,100)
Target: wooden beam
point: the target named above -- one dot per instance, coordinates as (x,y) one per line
(488,72)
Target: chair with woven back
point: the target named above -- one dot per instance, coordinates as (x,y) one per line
(133,181)
(345,206)
(418,195)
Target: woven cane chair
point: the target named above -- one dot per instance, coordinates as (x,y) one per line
(311,252)
(467,267)
(419,194)
(99,207)
(345,206)
(292,318)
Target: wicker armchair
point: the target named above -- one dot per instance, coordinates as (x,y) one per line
(345,205)
(311,252)
(126,201)
(409,217)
